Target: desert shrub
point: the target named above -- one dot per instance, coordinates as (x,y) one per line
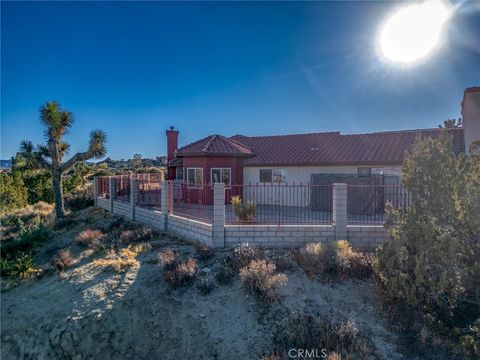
(224,275)
(245,212)
(259,278)
(22,266)
(205,285)
(432,262)
(284,260)
(13,193)
(183,272)
(334,260)
(43,208)
(39,186)
(242,255)
(122,259)
(78,202)
(341,340)
(204,252)
(140,233)
(177,270)
(63,259)
(88,236)
(25,242)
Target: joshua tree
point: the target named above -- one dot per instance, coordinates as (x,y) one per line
(57,122)
(32,158)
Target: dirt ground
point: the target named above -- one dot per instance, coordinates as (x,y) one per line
(87,312)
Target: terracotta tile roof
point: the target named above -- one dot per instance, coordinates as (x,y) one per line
(176,162)
(215,145)
(383,148)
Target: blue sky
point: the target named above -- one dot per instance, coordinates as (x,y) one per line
(133,69)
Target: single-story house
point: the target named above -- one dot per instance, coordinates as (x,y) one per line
(315,158)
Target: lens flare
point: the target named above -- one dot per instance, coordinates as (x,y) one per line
(414,31)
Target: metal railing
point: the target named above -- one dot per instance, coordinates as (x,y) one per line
(103,187)
(193,202)
(366,204)
(282,203)
(122,188)
(149,192)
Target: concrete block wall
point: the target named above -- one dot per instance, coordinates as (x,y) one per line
(103,203)
(278,235)
(122,209)
(190,229)
(367,237)
(152,218)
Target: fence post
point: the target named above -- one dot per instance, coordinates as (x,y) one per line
(164,202)
(218,225)
(133,196)
(340,210)
(111,190)
(95,191)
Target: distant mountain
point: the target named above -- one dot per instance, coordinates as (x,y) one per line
(5,164)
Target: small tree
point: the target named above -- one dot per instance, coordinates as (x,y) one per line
(57,122)
(432,261)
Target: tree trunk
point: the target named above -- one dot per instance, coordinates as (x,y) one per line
(58,193)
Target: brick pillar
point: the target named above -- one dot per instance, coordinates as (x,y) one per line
(111,190)
(133,196)
(95,191)
(164,201)
(218,225)
(340,210)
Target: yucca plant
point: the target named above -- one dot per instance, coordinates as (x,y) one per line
(245,212)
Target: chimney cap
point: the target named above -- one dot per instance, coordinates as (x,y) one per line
(171,127)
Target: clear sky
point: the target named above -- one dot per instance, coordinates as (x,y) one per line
(133,69)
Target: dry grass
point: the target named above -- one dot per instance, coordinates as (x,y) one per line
(259,277)
(178,271)
(341,340)
(63,259)
(243,255)
(334,260)
(123,259)
(88,236)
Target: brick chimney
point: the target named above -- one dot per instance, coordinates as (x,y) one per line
(172,143)
(471,115)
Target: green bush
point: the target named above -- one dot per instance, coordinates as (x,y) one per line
(39,186)
(432,261)
(25,242)
(13,193)
(22,266)
(245,212)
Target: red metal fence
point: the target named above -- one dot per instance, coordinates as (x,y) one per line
(279,204)
(103,190)
(366,204)
(193,202)
(264,203)
(149,192)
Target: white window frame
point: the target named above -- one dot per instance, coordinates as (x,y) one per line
(188,178)
(229,178)
(282,171)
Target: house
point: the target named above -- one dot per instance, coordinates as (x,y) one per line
(315,158)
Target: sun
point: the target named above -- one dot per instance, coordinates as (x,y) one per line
(412,32)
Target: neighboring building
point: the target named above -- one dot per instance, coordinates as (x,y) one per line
(317,158)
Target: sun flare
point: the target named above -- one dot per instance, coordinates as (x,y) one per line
(414,31)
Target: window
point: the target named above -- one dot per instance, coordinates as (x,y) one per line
(279,176)
(265,175)
(221,175)
(195,178)
(179,173)
(364,171)
(273,175)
